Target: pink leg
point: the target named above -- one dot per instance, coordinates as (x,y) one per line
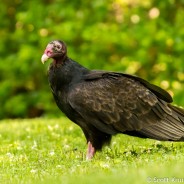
(90,151)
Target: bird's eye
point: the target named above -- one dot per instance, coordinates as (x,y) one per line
(58,47)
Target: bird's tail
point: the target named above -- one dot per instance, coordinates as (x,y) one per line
(180,113)
(170,128)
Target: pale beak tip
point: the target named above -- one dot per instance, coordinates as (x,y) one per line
(44,58)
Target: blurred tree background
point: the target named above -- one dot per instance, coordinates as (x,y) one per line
(144,38)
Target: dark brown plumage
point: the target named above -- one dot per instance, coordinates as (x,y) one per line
(105,103)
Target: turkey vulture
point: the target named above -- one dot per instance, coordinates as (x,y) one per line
(105,103)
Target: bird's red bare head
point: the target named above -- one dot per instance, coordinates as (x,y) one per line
(55,49)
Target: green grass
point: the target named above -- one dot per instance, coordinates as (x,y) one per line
(53,151)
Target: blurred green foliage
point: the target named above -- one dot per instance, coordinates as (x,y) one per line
(144,38)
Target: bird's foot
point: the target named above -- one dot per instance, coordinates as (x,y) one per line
(90,151)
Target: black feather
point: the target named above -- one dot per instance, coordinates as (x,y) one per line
(106,103)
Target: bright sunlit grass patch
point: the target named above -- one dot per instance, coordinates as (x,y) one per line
(53,151)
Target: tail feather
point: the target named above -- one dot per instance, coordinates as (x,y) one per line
(169,128)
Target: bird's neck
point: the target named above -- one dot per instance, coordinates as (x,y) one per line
(64,73)
(59,61)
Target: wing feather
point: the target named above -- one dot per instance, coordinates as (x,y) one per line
(162,94)
(114,104)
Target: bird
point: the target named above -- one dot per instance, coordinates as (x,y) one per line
(106,103)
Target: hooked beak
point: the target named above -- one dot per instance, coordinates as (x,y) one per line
(44,58)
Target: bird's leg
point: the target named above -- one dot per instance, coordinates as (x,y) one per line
(90,151)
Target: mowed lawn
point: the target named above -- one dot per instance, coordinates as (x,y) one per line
(53,151)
